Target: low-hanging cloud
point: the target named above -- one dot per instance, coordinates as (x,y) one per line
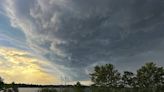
(76,34)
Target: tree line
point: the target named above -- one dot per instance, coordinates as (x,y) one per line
(148,76)
(105,77)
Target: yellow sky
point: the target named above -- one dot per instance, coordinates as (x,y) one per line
(19,66)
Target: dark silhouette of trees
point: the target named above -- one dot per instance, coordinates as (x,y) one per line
(78,84)
(106,76)
(149,78)
(1,83)
(129,79)
(150,75)
(78,87)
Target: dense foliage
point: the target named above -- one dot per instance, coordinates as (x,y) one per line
(106,76)
(148,76)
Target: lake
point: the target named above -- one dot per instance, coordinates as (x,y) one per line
(36,89)
(28,89)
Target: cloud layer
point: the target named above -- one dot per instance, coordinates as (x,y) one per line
(76,35)
(19,66)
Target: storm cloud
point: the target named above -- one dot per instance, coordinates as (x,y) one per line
(77,34)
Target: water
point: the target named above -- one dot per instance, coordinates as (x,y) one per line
(36,89)
(28,89)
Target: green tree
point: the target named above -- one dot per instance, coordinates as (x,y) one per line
(150,75)
(129,79)
(1,83)
(105,75)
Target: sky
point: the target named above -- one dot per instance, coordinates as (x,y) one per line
(56,41)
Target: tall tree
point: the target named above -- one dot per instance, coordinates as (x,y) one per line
(105,75)
(150,75)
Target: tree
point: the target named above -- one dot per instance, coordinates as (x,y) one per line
(150,75)
(78,87)
(78,84)
(1,83)
(105,75)
(129,79)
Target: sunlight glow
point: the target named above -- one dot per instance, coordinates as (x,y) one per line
(19,66)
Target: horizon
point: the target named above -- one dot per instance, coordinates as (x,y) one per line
(57,41)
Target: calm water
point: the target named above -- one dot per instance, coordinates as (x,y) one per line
(36,89)
(28,89)
(33,89)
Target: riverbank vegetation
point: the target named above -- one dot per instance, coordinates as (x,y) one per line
(148,78)
(106,78)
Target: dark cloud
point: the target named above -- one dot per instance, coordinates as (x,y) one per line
(77,34)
